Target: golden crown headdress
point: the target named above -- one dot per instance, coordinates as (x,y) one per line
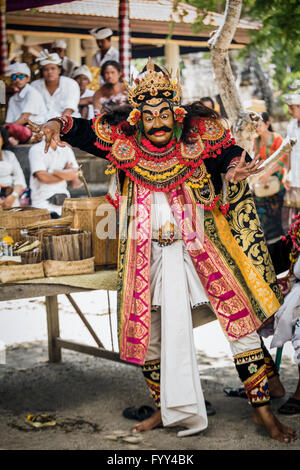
(152,87)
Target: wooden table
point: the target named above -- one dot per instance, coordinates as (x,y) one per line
(55,342)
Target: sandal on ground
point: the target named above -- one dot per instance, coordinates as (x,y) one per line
(235,392)
(210,411)
(290,407)
(139,414)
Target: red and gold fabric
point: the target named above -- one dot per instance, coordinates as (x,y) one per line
(227,248)
(252,371)
(229,255)
(151,372)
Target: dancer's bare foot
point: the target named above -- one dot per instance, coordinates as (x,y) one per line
(276,388)
(150,423)
(264,416)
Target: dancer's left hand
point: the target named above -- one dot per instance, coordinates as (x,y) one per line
(243,169)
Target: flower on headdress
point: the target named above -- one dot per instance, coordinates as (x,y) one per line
(134,117)
(179,113)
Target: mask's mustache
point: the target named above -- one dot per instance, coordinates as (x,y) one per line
(157,129)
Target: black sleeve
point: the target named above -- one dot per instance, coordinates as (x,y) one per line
(228,154)
(219,164)
(82,135)
(280,255)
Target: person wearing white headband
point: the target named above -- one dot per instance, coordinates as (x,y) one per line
(292,184)
(83,77)
(59,46)
(26,103)
(61,94)
(106,50)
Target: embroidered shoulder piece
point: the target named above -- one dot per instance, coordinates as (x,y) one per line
(104,133)
(211,130)
(214,136)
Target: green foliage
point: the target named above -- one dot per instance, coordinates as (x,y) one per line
(279,35)
(177,131)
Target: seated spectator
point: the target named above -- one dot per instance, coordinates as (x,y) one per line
(12,181)
(113,92)
(59,46)
(106,51)
(25,104)
(83,77)
(49,176)
(208,102)
(61,95)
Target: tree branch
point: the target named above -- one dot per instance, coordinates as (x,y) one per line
(244,124)
(219,45)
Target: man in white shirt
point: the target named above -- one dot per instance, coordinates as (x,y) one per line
(106,51)
(12,180)
(61,95)
(26,103)
(292,184)
(49,174)
(83,77)
(68,65)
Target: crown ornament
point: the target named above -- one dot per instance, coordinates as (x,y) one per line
(152,87)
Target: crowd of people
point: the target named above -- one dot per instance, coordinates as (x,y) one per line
(63,89)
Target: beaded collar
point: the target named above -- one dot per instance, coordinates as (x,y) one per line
(164,168)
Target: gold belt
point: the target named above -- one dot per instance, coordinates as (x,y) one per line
(166,235)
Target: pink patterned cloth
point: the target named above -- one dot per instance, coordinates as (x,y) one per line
(137,295)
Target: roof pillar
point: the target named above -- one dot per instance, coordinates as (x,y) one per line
(172,56)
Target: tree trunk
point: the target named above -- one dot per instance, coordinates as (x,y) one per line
(244,123)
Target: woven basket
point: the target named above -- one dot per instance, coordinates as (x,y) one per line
(63,244)
(16,220)
(85,212)
(68,268)
(21,273)
(31,257)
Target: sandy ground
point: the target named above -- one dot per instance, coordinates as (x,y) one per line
(87,395)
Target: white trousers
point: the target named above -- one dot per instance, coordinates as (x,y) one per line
(247,343)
